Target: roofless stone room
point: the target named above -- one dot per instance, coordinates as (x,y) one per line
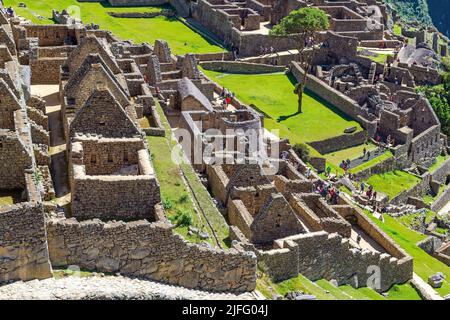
(247,151)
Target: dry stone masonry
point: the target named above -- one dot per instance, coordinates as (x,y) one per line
(110,93)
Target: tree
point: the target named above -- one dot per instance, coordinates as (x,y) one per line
(302,151)
(306,22)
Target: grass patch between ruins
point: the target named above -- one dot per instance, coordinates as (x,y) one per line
(325,290)
(424,264)
(392,183)
(181,38)
(8,197)
(439,160)
(180,188)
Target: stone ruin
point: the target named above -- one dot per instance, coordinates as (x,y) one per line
(276,216)
(115,222)
(23,158)
(381,98)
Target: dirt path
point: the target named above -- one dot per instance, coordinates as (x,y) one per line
(59,168)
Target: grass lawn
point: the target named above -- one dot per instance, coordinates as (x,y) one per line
(429,199)
(377,56)
(182,191)
(324,290)
(180,37)
(8,198)
(350,153)
(439,161)
(372,162)
(403,292)
(397,29)
(392,183)
(273,94)
(424,264)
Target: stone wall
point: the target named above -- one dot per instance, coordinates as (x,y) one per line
(321,255)
(440,174)
(114,197)
(387,165)
(417,190)
(340,142)
(14,160)
(46,70)
(23,244)
(441,200)
(241,67)
(149,250)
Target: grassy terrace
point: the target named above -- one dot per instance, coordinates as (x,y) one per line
(438,163)
(182,192)
(372,162)
(180,37)
(273,94)
(324,290)
(376,56)
(424,264)
(393,183)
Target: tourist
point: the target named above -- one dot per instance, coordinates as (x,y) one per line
(358,239)
(362,187)
(328,171)
(368,155)
(364,152)
(308,172)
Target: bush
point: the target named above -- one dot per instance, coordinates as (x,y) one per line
(183,198)
(167,204)
(185,220)
(302,151)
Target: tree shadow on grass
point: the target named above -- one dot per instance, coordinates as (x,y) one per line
(284,118)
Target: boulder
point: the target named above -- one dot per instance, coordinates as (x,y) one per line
(436,280)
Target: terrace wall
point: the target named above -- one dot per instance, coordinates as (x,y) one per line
(23,243)
(241,67)
(149,250)
(340,142)
(321,255)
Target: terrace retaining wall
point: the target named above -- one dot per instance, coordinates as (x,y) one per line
(241,67)
(149,250)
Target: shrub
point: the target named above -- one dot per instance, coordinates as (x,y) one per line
(183,198)
(185,220)
(302,151)
(167,204)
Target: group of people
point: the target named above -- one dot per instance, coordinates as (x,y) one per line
(371,194)
(329,192)
(8,11)
(345,165)
(265,50)
(226,96)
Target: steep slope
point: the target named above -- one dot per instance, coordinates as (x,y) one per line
(426,12)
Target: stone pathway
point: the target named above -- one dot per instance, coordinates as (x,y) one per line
(373,154)
(108,287)
(425,290)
